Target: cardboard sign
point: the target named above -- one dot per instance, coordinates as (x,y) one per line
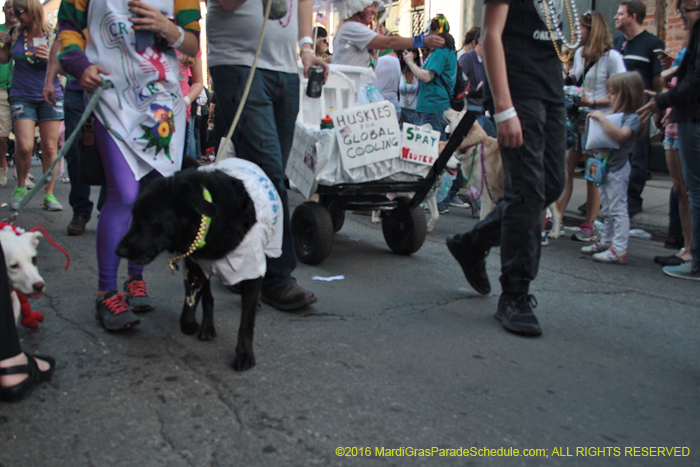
(419,144)
(301,165)
(367,134)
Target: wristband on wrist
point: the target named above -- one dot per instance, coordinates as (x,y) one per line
(187,100)
(595,104)
(180,39)
(505,115)
(419,41)
(305,40)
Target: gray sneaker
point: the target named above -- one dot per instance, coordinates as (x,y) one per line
(17,197)
(52,204)
(113,312)
(3,176)
(136,295)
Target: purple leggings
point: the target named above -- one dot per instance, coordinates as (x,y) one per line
(122,189)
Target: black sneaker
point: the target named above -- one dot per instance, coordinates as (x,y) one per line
(136,295)
(515,314)
(113,312)
(472,259)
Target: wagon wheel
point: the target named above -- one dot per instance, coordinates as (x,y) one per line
(312,230)
(404,229)
(338,216)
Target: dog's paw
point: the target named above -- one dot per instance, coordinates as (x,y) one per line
(189,328)
(244,361)
(206,333)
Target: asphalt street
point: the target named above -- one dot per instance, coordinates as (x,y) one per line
(398,360)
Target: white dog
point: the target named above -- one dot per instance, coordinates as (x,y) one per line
(470,154)
(20,258)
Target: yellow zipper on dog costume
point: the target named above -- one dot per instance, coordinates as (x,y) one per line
(200,239)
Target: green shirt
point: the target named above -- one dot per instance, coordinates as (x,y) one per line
(434,96)
(6,69)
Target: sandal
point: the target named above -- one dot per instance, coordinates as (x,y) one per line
(21,390)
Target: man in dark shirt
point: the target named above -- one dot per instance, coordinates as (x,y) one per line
(637,46)
(472,66)
(524,93)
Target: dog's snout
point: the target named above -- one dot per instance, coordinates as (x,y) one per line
(38,286)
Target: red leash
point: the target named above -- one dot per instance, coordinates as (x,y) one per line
(20,231)
(59,247)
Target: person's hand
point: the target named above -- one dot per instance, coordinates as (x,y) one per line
(91,78)
(408,56)
(309,60)
(597,115)
(42,51)
(5,38)
(584,101)
(665,59)
(49,93)
(510,133)
(650,108)
(433,42)
(147,18)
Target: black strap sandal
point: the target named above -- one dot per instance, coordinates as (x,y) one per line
(21,390)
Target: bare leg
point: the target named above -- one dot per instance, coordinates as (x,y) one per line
(49,145)
(24,144)
(674,168)
(593,201)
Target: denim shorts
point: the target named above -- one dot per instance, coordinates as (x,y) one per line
(671,143)
(39,111)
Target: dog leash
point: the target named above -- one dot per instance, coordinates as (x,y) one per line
(224,147)
(483,173)
(44,179)
(19,231)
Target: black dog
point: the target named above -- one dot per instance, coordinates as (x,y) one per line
(168,216)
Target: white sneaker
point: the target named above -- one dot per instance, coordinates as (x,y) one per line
(28,183)
(3,176)
(611,256)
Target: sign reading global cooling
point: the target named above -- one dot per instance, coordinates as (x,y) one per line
(367,134)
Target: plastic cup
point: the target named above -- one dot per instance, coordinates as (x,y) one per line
(40,41)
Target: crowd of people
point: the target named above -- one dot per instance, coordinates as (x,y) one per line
(512,70)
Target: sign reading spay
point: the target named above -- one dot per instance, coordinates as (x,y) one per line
(419,144)
(367,134)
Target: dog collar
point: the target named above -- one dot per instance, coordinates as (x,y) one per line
(200,239)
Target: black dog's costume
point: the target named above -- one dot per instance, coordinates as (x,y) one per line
(247,261)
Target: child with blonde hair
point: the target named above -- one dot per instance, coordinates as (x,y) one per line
(626,91)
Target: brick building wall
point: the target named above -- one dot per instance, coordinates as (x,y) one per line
(662,20)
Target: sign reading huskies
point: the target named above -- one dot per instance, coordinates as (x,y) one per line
(367,134)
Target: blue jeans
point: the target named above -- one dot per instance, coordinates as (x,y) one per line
(437,121)
(264,136)
(79,197)
(689,137)
(190,150)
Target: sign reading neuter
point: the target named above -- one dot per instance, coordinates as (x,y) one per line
(419,144)
(367,134)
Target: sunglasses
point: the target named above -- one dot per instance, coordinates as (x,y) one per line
(18,12)
(683,12)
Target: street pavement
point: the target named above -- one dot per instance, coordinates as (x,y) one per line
(402,354)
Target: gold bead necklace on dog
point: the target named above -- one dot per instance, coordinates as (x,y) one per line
(199,239)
